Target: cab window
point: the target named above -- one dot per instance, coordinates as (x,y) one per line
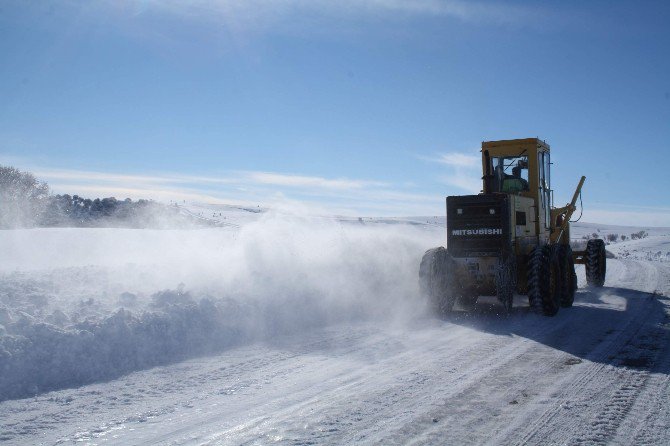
(510,174)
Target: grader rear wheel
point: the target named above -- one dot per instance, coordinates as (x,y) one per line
(505,281)
(544,284)
(435,279)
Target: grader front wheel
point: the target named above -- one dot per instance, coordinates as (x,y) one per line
(568,276)
(595,262)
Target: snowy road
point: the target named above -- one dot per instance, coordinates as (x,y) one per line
(596,373)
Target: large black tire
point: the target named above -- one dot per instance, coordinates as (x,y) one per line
(544,285)
(596,262)
(506,282)
(435,279)
(568,276)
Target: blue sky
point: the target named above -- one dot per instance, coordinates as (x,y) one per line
(364,107)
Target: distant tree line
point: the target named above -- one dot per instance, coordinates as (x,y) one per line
(27,202)
(66,210)
(612,238)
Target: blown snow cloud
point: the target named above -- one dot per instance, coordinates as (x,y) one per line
(113,300)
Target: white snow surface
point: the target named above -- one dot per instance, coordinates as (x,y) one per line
(281,328)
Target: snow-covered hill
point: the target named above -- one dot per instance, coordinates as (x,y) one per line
(285,328)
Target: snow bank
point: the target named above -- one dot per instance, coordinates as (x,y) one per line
(38,356)
(83,305)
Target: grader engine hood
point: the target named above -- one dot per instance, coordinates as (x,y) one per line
(478,225)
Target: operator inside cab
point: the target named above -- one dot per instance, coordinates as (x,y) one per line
(517,181)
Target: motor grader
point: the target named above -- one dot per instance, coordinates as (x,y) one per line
(510,238)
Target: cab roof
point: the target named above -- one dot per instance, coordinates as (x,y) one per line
(508,143)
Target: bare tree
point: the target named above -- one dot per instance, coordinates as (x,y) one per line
(22,198)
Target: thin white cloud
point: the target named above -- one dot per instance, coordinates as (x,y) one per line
(247,177)
(459,160)
(464,170)
(341,195)
(83,175)
(306,181)
(464,10)
(263,14)
(463,181)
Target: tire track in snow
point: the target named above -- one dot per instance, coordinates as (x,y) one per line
(419,413)
(339,394)
(615,397)
(496,392)
(648,422)
(421,391)
(628,384)
(371,407)
(357,340)
(470,404)
(614,404)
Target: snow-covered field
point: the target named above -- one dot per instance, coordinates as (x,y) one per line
(278,328)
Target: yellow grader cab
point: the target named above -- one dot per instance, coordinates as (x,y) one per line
(510,238)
